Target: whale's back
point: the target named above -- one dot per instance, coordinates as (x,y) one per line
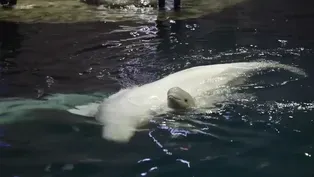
(200,78)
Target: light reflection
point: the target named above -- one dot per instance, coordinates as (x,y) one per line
(144,160)
(50,81)
(166,151)
(298,131)
(158,143)
(227,117)
(174,131)
(307,154)
(154,139)
(177,132)
(184,161)
(144,174)
(277,130)
(151,169)
(283,42)
(4,144)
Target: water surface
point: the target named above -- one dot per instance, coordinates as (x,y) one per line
(268,135)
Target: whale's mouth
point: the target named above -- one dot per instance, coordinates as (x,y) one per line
(175,102)
(172,97)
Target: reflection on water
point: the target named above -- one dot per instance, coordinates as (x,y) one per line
(57,11)
(268,135)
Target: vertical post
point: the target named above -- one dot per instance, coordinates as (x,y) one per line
(176,4)
(12,2)
(161,4)
(8,3)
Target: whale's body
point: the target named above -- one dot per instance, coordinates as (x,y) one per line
(124,111)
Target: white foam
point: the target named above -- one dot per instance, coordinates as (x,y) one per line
(123,112)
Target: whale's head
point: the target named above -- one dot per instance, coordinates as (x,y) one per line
(179,99)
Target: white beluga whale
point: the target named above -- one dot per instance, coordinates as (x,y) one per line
(128,109)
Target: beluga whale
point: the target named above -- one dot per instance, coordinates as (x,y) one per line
(124,112)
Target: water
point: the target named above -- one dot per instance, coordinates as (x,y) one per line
(270,135)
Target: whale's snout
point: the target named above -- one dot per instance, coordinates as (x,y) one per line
(177,98)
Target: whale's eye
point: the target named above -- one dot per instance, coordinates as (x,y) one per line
(185,100)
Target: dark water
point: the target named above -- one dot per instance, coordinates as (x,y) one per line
(271,135)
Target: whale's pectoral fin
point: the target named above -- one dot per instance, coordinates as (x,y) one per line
(142,130)
(88,110)
(93,122)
